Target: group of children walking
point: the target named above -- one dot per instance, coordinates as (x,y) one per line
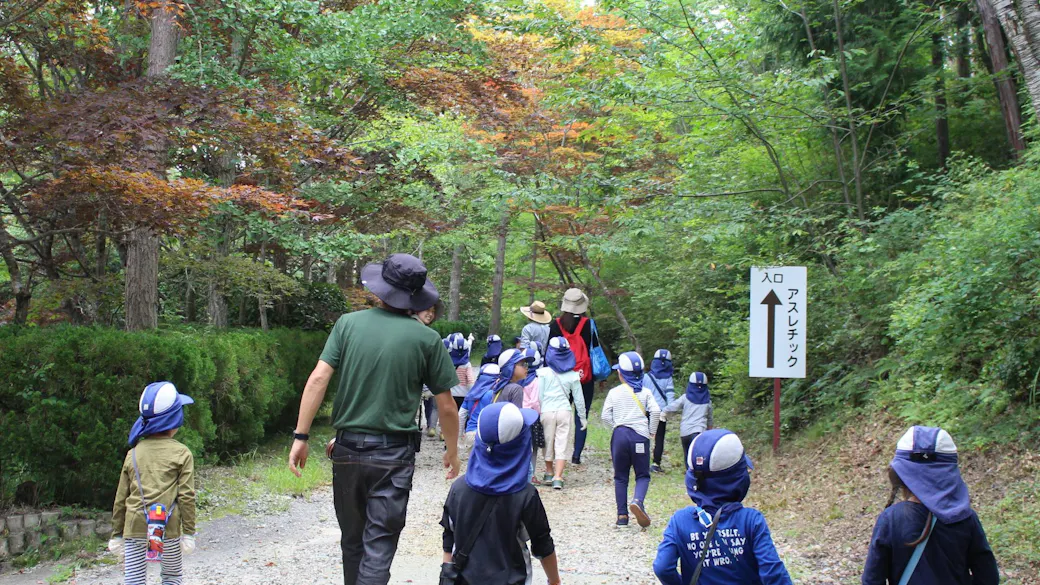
(521,402)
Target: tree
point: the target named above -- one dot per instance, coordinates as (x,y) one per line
(1007,91)
(1021,22)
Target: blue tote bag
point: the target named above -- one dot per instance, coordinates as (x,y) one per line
(600,364)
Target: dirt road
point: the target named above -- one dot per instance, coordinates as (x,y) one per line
(302,545)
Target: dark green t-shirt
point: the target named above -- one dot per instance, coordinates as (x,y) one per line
(383,360)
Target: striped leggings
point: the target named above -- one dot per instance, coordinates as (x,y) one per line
(136,568)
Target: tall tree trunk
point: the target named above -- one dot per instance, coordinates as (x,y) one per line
(261,299)
(500,273)
(857,167)
(142,264)
(942,124)
(330,273)
(216,301)
(455,286)
(839,157)
(962,41)
(190,304)
(534,264)
(22,293)
(1021,22)
(1007,92)
(610,299)
(142,280)
(308,265)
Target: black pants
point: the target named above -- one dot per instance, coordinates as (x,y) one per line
(686,442)
(371,482)
(587,390)
(659,443)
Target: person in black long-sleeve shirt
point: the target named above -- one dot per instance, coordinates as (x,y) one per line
(573,325)
(935,514)
(498,476)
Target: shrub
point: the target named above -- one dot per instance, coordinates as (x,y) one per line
(445,328)
(70,395)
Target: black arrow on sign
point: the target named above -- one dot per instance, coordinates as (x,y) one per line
(771,301)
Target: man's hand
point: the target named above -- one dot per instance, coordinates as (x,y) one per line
(298,457)
(664,416)
(452,464)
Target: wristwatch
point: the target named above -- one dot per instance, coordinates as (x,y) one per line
(301,436)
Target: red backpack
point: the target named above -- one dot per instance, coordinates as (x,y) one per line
(582,363)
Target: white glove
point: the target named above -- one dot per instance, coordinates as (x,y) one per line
(664,416)
(115,545)
(187,544)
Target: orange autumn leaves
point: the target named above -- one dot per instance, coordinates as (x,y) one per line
(128,198)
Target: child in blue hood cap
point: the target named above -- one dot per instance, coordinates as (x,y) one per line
(153,518)
(697,411)
(739,548)
(489,517)
(631,411)
(932,537)
(659,381)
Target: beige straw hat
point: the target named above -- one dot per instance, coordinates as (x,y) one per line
(537,313)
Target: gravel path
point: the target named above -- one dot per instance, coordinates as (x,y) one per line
(302,545)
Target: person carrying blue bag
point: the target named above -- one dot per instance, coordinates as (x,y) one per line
(932,537)
(718,541)
(590,360)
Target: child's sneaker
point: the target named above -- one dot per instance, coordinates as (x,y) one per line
(622,521)
(636,508)
(655,468)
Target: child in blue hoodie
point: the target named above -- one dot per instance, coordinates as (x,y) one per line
(480,395)
(659,381)
(932,537)
(739,548)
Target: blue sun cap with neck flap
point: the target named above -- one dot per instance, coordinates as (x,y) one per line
(719,475)
(507,364)
(697,390)
(161,408)
(926,461)
(498,465)
(630,369)
(534,361)
(661,366)
(459,349)
(559,356)
(494,346)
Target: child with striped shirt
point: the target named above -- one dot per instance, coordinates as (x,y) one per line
(630,409)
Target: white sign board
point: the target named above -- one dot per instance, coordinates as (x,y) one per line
(778,318)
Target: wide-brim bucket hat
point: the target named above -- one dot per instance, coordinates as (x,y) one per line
(537,313)
(400,281)
(574,301)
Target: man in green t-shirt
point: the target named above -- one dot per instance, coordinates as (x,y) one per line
(384,357)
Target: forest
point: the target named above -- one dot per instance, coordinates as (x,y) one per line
(194,176)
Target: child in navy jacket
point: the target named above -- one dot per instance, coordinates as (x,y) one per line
(935,515)
(741,551)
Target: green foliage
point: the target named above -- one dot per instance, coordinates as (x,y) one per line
(445,328)
(70,396)
(316,308)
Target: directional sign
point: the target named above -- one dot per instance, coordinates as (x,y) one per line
(778,318)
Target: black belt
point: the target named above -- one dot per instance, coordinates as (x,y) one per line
(348,438)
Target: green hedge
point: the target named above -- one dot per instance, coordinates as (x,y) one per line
(69,396)
(446,328)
